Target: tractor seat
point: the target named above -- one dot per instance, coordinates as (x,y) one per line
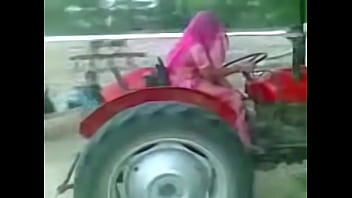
(159,77)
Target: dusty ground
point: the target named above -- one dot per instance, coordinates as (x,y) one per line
(62,142)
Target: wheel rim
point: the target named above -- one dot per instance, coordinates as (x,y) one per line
(168,169)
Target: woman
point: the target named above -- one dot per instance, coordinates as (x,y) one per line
(91,91)
(88,95)
(196,63)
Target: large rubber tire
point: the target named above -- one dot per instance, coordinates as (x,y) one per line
(153,120)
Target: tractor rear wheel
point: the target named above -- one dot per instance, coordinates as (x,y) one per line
(164,150)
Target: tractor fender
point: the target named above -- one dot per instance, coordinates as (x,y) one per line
(104,113)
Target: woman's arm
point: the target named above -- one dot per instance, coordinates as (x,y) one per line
(215,75)
(243,67)
(224,82)
(210,73)
(218,76)
(205,66)
(225,71)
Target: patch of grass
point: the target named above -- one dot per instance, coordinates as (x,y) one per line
(286,181)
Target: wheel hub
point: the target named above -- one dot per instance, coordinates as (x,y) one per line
(168,172)
(168,186)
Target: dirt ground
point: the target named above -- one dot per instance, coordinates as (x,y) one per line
(61,141)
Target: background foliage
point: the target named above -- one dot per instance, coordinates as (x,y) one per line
(170,16)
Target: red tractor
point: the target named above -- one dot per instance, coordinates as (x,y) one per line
(152,140)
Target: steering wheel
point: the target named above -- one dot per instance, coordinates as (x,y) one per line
(254,58)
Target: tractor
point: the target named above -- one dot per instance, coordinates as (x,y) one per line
(150,139)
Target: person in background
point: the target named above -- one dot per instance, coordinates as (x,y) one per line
(91,79)
(91,91)
(88,95)
(48,104)
(196,62)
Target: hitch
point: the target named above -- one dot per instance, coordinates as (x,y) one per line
(62,188)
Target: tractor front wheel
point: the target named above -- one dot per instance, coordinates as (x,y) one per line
(164,150)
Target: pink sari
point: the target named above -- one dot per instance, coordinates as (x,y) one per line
(203,45)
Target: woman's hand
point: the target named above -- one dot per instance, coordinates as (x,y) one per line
(246,67)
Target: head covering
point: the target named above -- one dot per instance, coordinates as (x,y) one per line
(203,29)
